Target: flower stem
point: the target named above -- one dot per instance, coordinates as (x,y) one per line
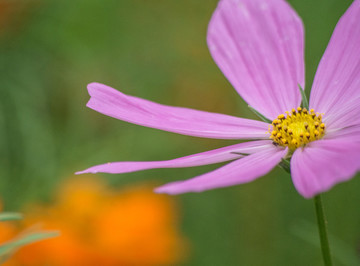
(325,248)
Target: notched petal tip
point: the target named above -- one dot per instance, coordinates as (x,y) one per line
(176,188)
(80,172)
(86,171)
(165,190)
(94,85)
(94,88)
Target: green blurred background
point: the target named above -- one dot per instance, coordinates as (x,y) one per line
(155,49)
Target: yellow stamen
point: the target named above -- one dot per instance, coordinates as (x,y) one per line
(275,122)
(297,128)
(281,117)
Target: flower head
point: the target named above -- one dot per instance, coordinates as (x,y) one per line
(258,45)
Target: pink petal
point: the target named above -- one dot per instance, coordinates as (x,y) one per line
(323,164)
(241,171)
(337,80)
(111,102)
(258,45)
(351,133)
(204,158)
(347,115)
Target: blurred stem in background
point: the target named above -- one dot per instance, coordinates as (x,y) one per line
(29,236)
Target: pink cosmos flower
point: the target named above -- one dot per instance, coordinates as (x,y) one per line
(258,45)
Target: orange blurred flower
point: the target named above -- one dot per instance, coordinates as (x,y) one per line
(100,226)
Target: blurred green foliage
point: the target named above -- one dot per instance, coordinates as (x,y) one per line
(25,238)
(50,50)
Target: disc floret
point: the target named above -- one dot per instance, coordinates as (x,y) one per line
(297,128)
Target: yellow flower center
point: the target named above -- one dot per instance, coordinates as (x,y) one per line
(297,128)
